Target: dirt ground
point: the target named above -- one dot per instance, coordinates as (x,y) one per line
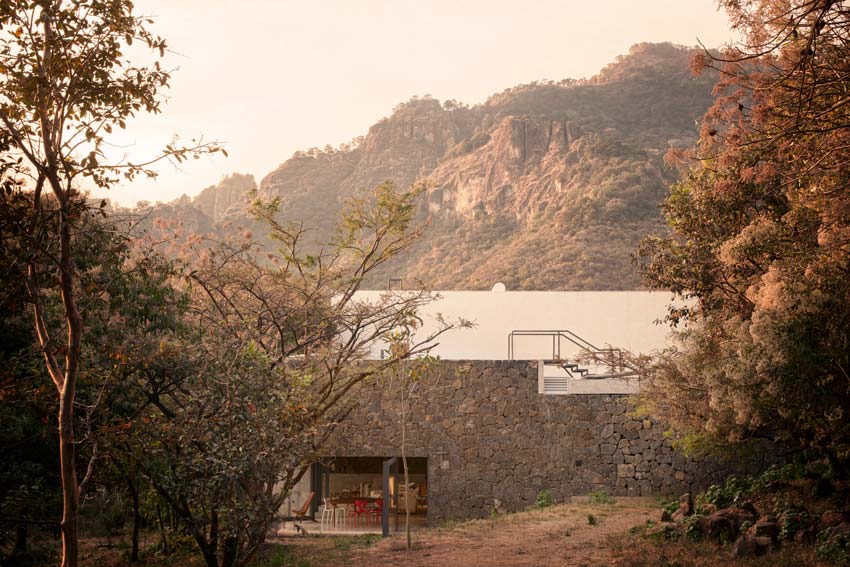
(579,534)
(563,535)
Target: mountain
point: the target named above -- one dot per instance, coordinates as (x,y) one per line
(226,199)
(548,185)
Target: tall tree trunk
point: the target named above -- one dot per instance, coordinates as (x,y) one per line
(406,498)
(163,542)
(210,551)
(21,533)
(70,489)
(66,382)
(137,520)
(230,550)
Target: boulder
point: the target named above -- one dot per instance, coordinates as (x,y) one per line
(765,528)
(746,547)
(719,527)
(766,543)
(749,507)
(834,517)
(807,536)
(686,507)
(739,515)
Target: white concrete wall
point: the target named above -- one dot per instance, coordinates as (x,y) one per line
(621,319)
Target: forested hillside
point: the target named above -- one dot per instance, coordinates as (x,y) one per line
(548,185)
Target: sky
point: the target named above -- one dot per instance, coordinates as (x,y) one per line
(269,77)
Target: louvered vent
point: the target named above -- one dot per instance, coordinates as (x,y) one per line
(555,385)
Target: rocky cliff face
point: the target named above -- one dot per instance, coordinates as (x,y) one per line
(314,185)
(227,198)
(543,186)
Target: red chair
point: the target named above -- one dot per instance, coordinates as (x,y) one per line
(361,508)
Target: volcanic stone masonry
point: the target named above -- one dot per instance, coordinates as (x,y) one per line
(493,442)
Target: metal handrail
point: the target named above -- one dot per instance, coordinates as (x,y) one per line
(557,335)
(616,370)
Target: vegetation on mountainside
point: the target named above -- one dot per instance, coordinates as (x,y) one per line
(565,215)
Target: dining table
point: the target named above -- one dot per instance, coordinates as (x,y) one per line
(345,502)
(338,500)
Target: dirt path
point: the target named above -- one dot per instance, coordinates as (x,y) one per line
(558,536)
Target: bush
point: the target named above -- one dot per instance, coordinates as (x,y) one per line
(105,513)
(670,506)
(545,498)
(591,519)
(776,474)
(835,551)
(794,519)
(36,556)
(693,526)
(600,497)
(730,492)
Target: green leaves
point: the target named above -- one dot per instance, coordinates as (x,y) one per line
(66,83)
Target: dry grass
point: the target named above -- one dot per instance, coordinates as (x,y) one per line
(560,535)
(634,550)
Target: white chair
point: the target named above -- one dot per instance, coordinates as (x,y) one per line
(328,513)
(341,515)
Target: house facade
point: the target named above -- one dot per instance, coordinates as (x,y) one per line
(490,440)
(489,433)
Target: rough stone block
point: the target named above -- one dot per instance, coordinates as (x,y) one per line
(625,471)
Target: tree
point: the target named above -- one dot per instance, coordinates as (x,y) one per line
(28,479)
(760,238)
(67,83)
(414,380)
(226,407)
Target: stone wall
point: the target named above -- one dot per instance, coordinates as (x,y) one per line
(493,442)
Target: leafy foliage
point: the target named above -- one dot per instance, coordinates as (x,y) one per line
(836,551)
(760,239)
(241,364)
(544,499)
(66,86)
(726,494)
(600,497)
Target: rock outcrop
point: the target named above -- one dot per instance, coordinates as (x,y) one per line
(544,186)
(227,198)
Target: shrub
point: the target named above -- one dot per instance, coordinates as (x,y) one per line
(794,519)
(591,519)
(693,526)
(777,474)
(600,497)
(670,506)
(835,551)
(728,493)
(545,498)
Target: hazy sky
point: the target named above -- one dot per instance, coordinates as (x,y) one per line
(269,77)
